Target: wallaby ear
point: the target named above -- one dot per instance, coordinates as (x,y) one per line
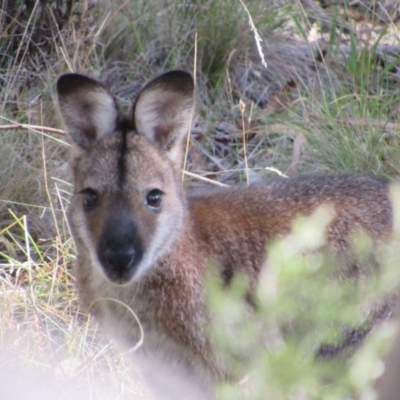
(88,109)
(163,112)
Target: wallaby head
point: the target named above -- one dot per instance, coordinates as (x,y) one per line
(128,206)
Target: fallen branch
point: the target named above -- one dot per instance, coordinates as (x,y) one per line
(389,126)
(204,179)
(296,153)
(33,127)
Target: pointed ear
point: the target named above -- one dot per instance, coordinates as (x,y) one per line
(163,112)
(88,109)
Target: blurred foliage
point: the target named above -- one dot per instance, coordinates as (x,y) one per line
(313,333)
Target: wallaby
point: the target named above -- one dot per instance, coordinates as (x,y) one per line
(144,242)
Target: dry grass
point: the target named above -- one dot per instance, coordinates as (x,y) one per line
(46,342)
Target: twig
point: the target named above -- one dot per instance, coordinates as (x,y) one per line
(204,179)
(193,110)
(33,127)
(242,107)
(297,146)
(391,126)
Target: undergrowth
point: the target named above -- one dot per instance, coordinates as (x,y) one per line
(303,338)
(48,348)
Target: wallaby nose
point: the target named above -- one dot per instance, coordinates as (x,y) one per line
(120,247)
(120,260)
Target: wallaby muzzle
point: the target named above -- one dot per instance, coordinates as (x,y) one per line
(120,250)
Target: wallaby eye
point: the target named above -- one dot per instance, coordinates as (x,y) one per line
(153,198)
(90,198)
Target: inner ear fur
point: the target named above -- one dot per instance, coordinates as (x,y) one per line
(163,111)
(88,109)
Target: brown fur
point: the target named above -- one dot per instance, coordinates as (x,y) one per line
(155,259)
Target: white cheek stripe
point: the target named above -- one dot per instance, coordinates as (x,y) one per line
(161,242)
(91,248)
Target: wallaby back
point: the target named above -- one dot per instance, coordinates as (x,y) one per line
(143,242)
(235,225)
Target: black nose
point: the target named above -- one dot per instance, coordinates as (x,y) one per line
(120,261)
(120,247)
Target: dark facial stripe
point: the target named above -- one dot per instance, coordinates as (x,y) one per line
(124,127)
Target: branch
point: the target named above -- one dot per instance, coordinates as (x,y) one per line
(33,127)
(204,179)
(388,126)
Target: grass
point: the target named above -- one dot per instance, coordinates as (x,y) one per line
(343,102)
(45,340)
